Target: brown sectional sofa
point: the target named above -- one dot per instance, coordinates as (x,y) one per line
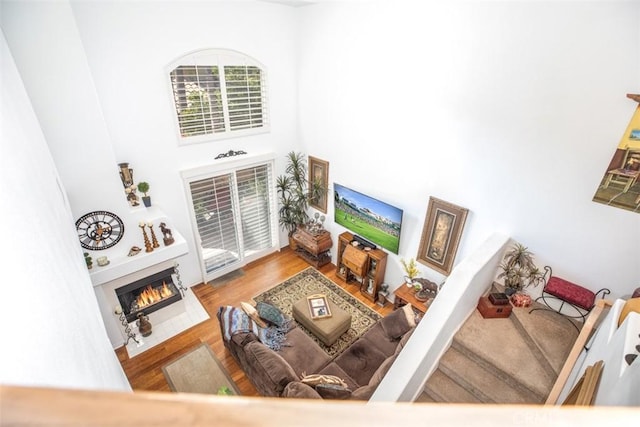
(361,366)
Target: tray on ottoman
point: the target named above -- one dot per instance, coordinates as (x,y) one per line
(327,329)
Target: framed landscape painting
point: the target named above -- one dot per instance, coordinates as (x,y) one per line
(318,178)
(441,234)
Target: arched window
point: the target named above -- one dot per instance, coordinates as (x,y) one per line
(218,93)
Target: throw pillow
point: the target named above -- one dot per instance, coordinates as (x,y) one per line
(270,313)
(253,313)
(333,391)
(315,379)
(395,324)
(411,316)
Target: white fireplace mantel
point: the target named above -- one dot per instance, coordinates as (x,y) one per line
(125,265)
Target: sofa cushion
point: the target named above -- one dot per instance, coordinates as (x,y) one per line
(274,371)
(302,353)
(300,390)
(244,338)
(363,393)
(378,339)
(382,370)
(403,341)
(333,391)
(360,361)
(395,324)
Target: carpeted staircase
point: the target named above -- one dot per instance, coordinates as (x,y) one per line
(514,360)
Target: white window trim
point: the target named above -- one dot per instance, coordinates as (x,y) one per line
(226,57)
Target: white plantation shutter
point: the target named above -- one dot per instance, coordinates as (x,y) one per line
(216,221)
(217,94)
(234,215)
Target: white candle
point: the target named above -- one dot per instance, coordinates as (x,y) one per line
(141,224)
(150,224)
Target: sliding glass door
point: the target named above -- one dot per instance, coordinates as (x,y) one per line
(233,213)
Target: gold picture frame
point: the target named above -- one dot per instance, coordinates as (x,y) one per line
(441,234)
(318,306)
(318,176)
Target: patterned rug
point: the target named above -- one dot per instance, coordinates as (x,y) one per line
(311,281)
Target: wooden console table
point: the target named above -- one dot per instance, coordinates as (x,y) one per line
(313,248)
(405,295)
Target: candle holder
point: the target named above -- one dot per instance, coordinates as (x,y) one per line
(153,236)
(147,243)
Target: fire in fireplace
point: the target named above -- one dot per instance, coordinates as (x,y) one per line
(148,295)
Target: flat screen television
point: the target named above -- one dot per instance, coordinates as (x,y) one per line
(376,221)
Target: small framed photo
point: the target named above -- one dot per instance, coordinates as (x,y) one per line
(441,234)
(318,183)
(318,306)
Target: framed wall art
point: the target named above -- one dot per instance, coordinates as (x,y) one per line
(441,234)
(318,183)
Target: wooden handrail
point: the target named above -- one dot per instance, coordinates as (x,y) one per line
(578,346)
(25,406)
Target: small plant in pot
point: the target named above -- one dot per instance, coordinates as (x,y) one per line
(295,192)
(143,187)
(519,270)
(411,270)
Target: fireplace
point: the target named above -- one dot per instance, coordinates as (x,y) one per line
(148,294)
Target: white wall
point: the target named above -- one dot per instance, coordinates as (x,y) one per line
(130,44)
(52,331)
(510,109)
(105,63)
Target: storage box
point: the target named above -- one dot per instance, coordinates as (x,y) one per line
(499,298)
(492,311)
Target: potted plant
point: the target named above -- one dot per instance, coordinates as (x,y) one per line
(294,193)
(519,270)
(411,268)
(88,260)
(143,187)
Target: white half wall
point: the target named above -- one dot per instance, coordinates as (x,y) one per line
(52,331)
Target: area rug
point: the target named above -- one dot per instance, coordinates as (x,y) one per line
(199,371)
(311,281)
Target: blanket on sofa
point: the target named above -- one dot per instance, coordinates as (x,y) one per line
(235,320)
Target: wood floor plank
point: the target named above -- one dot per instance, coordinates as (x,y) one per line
(144,371)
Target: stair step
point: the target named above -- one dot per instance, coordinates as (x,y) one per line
(497,345)
(484,385)
(551,334)
(424,398)
(443,389)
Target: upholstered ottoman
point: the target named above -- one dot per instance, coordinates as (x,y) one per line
(327,329)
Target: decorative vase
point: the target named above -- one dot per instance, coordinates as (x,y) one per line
(144,326)
(408,280)
(146,200)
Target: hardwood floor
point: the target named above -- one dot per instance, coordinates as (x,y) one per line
(145,370)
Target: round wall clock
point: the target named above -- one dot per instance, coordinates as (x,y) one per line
(99,230)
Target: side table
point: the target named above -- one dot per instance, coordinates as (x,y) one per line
(405,295)
(313,248)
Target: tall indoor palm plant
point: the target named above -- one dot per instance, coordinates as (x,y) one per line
(294,191)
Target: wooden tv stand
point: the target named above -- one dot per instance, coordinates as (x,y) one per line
(356,263)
